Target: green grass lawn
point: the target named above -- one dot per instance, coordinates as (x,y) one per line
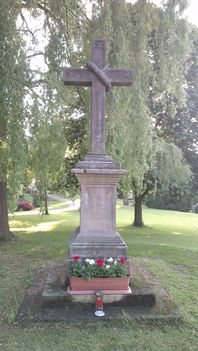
(168,245)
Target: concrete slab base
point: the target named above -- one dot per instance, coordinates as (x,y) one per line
(48,300)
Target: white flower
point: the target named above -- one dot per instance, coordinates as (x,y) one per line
(92,262)
(110,259)
(115,262)
(107,266)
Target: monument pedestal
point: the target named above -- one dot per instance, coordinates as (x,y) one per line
(97,235)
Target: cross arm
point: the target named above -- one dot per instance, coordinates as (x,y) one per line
(83,76)
(77,76)
(120,77)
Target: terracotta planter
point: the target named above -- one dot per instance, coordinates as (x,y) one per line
(80,284)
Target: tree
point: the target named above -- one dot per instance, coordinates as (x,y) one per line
(47,149)
(167,172)
(62,24)
(75,132)
(13,72)
(155,43)
(66,30)
(129,125)
(182,128)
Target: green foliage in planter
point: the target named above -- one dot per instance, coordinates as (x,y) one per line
(99,268)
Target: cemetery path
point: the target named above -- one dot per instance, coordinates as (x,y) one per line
(56,197)
(67,205)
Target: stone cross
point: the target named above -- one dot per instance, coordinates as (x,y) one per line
(100,79)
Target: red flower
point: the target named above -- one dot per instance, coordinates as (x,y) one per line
(76,258)
(100,262)
(122,261)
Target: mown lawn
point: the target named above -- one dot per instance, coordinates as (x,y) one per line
(168,245)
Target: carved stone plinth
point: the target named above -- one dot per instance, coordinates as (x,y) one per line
(97,235)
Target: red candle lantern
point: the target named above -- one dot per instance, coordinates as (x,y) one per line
(99,304)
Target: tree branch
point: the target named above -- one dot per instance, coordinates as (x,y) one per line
(26,24)
(34,83)
(34,93)
(35,54)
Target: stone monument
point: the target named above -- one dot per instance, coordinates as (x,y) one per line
(50,298)
(97,174)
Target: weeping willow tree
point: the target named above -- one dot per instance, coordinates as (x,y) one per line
(61,24)
(13,73)
(68,36)
(47,147)
(155,43)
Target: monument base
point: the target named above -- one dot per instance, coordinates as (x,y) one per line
(47,299)
(97,245)
(57,290)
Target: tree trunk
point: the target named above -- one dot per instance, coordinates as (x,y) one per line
(138,222)
(125,200)
(46,204)
(5,233)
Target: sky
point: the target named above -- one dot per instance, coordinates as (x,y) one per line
(192,12)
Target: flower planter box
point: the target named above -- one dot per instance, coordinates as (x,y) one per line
(118,283)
